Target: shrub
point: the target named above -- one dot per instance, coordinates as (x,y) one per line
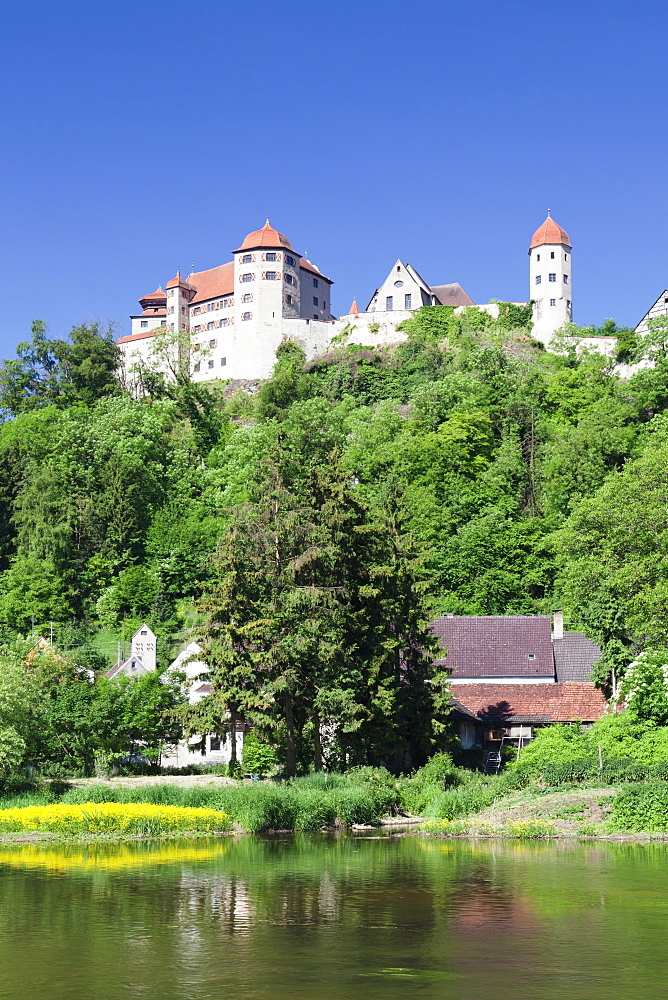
(257,757)
(642,807)
(428,783)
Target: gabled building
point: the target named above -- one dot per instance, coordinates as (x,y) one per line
(143,655)
(659,308)
(511,673)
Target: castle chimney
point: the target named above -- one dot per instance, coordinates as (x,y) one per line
(557,624)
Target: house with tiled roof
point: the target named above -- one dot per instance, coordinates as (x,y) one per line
(512,673)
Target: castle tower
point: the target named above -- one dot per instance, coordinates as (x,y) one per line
(550,279)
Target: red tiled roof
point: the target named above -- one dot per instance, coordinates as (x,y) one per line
(543,702)
(354,309)
(265,237)
(497,645)
(551,234)
(213,283)
(178,282)
(154,312)
(138,336)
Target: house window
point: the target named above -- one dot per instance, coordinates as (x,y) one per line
(224,322)
(289,299)
(407,301)
(164,322)
(315,300)
(210,363)
(209,326)
(290,260)
(538,279)
(197,329)
(247,258)
(197,367)
(144,324)
(568,303)
(196,311)
(315,315)
(223,362)
(553,302)
(532,656)
(246,316)
(552,277)
(565,279)
(315,282)
(214,743)
(398,284)
(247,297)
(270,256)
(246,277)
(389,302)
(212,343)
(290,279)
(171,310)
(270,275)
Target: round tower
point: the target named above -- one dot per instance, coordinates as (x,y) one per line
(550,287)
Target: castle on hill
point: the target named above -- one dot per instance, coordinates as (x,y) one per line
(235,315)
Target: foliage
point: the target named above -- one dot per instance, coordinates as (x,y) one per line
(111,818)
(258,757)
(644,690)
(642,807)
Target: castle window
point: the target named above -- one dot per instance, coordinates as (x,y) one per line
(552,255)
(247,297)
(247,258)
(565,279)
(196,311)
(389,302)
(407,301)
(196,347)
(538,279)
(552,277)
(290,260)
(246,277)
(289,299)
(209,326)
(223,362)
(270,256)
(553,302)
(270,275)
(537,256)
(568,303)
(163,323)
(171,310)
(197,329)
(315,282)
(196,367)
(224,322)
(315,315)
(398,267)
(315,300)
(565,256)
(290,279)
(210,363)
(212,343)
(246,316)
(144,323)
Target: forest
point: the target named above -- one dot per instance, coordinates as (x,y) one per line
(307,529)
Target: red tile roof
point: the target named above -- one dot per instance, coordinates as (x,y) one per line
(154,312)
(526,702)
(265,237)
(497,645)
(157,295)
(551,234)
(354,309)
(178,282)
(138,336)
(211,284)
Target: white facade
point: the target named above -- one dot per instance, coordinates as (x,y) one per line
(660,308)
(550,280)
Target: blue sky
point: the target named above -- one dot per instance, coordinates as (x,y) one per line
(141,136)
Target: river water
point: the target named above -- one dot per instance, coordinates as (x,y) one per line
(334,917)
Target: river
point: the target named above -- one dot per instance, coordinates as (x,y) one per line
(333,918)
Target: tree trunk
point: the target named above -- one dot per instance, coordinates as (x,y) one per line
(317,744)
(233,736)
(291,751)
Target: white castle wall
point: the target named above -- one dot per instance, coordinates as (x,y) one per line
(545,260)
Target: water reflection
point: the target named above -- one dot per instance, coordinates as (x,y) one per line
(331,917)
